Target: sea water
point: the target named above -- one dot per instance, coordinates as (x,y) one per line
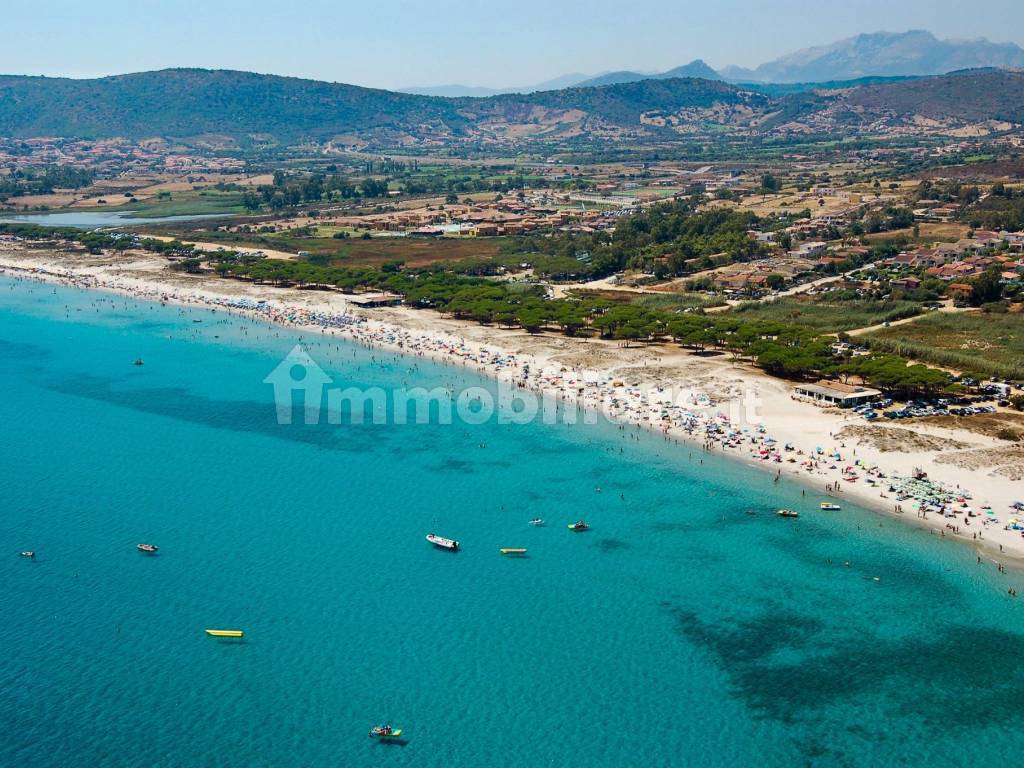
(689,627)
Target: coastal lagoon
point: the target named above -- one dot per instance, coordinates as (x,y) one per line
(97,219)
(689,626)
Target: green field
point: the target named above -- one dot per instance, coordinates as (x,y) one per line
(353,251)
(187,203)
(675,301)
(666,302)
(989,344)
(826,316)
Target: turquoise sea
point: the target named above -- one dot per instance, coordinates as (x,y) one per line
(689,627)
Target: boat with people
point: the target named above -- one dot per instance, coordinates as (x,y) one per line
(385,732)
(578,526)
(788,513)
(537,521)
(828,506)
(29,553)
(443,542)
(225,632)
(149,549)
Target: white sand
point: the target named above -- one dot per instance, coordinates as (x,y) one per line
(622,381)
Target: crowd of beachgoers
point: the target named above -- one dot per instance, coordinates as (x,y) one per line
(828,472)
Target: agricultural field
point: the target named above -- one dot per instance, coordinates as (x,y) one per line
(985,343)
(414,252)
(191,205)
(187,202)
(356,251)
(928,233)
(824,316)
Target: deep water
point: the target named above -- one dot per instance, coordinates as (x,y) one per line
(689,627)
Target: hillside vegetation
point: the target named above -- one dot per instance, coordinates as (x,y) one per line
(970,96)
(252,108)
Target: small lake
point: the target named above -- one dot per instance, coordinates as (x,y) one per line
(94,219)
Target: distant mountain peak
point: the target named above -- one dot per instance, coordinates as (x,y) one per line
(458,91)
(696,68)
(884,54)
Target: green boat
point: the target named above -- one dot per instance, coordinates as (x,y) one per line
(385,732)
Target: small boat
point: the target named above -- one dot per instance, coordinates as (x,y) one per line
(828,506)
(788,513)
(384,732)
(139,361)
(148,548)
(29,553)
(512,551)
(579,525)
(537,521)
(225,632)
(442,542)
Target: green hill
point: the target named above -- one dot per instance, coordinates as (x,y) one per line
(191,102)
(247,107)
(969,95)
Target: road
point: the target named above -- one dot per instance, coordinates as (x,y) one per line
(947,306)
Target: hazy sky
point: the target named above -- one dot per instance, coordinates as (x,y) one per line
(396,43)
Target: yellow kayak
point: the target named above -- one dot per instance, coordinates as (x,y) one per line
(513,551)
(225,632)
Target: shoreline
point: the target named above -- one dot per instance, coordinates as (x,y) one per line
(605,389)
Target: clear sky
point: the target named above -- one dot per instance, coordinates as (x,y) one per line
(500,43)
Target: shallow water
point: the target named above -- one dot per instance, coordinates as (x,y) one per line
(680,630)
(91,219)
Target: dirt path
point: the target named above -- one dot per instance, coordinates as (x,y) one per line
(947,306)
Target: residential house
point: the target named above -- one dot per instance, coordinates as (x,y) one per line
(959,290)
(907,283)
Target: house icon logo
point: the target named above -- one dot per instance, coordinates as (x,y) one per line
(298,372)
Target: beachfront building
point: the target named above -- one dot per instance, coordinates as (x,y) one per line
(836,393)
(374,300)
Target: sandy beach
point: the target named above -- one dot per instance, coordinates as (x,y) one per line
(715,402)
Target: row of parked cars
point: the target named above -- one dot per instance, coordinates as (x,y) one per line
(870,411)
(943,406)
(910,411)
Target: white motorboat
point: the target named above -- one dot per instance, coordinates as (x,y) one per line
(442,542)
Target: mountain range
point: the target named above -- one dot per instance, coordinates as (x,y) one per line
(480,91)
(696,68)
(877,54)
(885,54)
(245,109)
